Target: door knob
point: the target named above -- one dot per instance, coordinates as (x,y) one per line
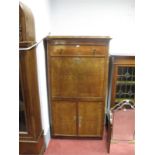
(94,51)
(80,119)
(74,118)
(61,50)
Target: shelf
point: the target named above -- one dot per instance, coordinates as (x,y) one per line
(125,82)
(124,75)
(121,99)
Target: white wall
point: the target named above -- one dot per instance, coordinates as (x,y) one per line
(114,18)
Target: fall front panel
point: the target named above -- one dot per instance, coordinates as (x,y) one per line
(77,76)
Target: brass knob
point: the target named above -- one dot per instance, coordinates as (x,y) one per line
(80,119)
(94,51)
(61,50)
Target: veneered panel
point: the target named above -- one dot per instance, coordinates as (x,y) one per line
(77,77)
(76,50)
(90,119)
(64,118)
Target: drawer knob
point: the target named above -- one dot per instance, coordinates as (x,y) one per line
(61,50)
(94,51)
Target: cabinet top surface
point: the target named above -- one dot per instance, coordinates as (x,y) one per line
(79,37)
(121,55)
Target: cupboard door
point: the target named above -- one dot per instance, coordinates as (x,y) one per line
(90,119)
(64,118)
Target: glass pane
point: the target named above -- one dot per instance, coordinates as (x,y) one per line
(125,85)
(22,118)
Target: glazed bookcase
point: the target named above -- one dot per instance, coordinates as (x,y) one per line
(122,79)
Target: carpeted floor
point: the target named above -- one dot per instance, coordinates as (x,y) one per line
(87,147)
(124,127)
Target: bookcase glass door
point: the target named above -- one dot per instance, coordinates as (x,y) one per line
(22,112)
(125,83)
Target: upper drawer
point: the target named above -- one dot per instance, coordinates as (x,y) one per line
(73,50)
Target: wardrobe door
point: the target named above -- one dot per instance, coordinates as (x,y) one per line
(90,119)
(64,118)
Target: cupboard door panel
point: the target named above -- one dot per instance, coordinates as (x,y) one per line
(64,118)
(77,77)
(90,119)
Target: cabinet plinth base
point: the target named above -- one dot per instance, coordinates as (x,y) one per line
(32,147)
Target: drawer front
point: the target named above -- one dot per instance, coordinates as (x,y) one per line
(79,50)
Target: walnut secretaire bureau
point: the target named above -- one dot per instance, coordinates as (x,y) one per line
(77,81)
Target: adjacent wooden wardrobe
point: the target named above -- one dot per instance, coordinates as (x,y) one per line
(31,139)
(77,69)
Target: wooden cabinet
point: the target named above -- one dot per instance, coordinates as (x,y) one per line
(122,82)
(77,82)
(31,139)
